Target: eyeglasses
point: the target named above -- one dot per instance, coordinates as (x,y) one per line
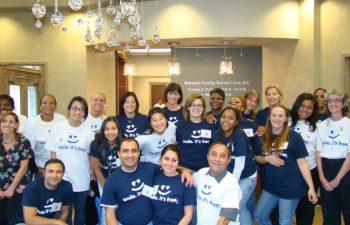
(196,106)
(334,101)
(77,109)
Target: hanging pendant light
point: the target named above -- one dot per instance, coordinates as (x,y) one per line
(174,63)
(225,63)
(129,67)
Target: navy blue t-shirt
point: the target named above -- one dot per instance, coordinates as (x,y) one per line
(287,181)
(110,163)
(48,202)
(321,117)
(123,189)
(194,140)
(217,119)
(174,116)
(240,148)
(261,117)
(171,198)
(133,127)
(250,128)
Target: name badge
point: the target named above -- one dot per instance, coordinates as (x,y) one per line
(149,191)
(284,145)
(249,132)
(56,207)
(205,133)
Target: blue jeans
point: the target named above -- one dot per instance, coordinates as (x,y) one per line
(150,223)
(247,186)
(79,208)
(267,203)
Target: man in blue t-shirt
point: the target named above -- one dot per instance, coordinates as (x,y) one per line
(47,199)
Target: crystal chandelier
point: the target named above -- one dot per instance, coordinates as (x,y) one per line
(225,63)
(174,63)
(123,10)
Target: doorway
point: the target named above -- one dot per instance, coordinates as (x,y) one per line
(157,91)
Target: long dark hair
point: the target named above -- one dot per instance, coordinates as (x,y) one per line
(151,112)
(123,100)
(101,140)
(312,119)
(238,119)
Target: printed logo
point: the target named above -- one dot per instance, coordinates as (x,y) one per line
(136,185)
(162,143)
(297,130)
(164,190)
(206,189)
(196,134)
(73,139)
(130,128)
(94,128)
(333,134)
(173,119)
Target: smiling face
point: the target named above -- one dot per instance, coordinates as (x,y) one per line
(228,121)
(196,109)
(111,132)
(53,174)
(278,118)
(252,103)
(158,123)
(173,97)
(237,103)
(129,155)
(216,101)
(5,106)
(48,105)
(273,97)
(335,104)
(129,105)
(169,163)
(76,112)
(320,98)
(98,102)
(305,110)
(8,125)
(218,159)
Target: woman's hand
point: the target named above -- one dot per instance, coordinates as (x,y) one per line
(261,131)
(9,192)
(326,185)
(275,160)
(312,196)
(210,118)
(186,176)
(334,183)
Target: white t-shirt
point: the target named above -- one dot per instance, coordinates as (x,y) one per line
(94,122)
(212,196)
(72,146)
(23,123)
(37,132)
(310,140)
(334,138)
(151,145)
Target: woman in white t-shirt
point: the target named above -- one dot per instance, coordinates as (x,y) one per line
(333,159)
(40,127)
(96,113)
(70,141)
(159,135)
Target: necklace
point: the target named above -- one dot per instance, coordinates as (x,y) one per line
(7,142)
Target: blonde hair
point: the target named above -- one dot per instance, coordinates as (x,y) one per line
(275,86)
(189,100)
(244,103)
(268,142)
(252,93)
(101,93)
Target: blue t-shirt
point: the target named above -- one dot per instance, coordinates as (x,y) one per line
(123,189)
(133,127)
(174,116)
(217,119)
(171,198)
(250,128)
(287,181)
(261,117)
(321,117)
(48,202)
(194,140)
(111,162)
(240,148)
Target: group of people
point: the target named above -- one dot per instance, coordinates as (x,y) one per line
(179,164)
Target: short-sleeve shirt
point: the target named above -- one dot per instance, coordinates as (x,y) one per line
(214,195)
(94,122)
(48,202)
(249,127)
(11,162)
(334,138)
(133,127)
(194,140)
(123,190)
(286,181)
(171,198)
(261,117)
(174,116)
(152,144)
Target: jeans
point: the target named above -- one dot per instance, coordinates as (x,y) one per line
(247,186)
(150,223)
(266,204)
(79,208)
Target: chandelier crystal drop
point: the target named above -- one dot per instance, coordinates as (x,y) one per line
(56,18)
(39,10)
(75,5)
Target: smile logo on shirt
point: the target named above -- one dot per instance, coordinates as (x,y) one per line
(333,134)
(297,130)
(94,128)
(173,119)
(196,134)
(73,139)
(130,128)
(162,143)
(136,185)
(206,189)
(164,190)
